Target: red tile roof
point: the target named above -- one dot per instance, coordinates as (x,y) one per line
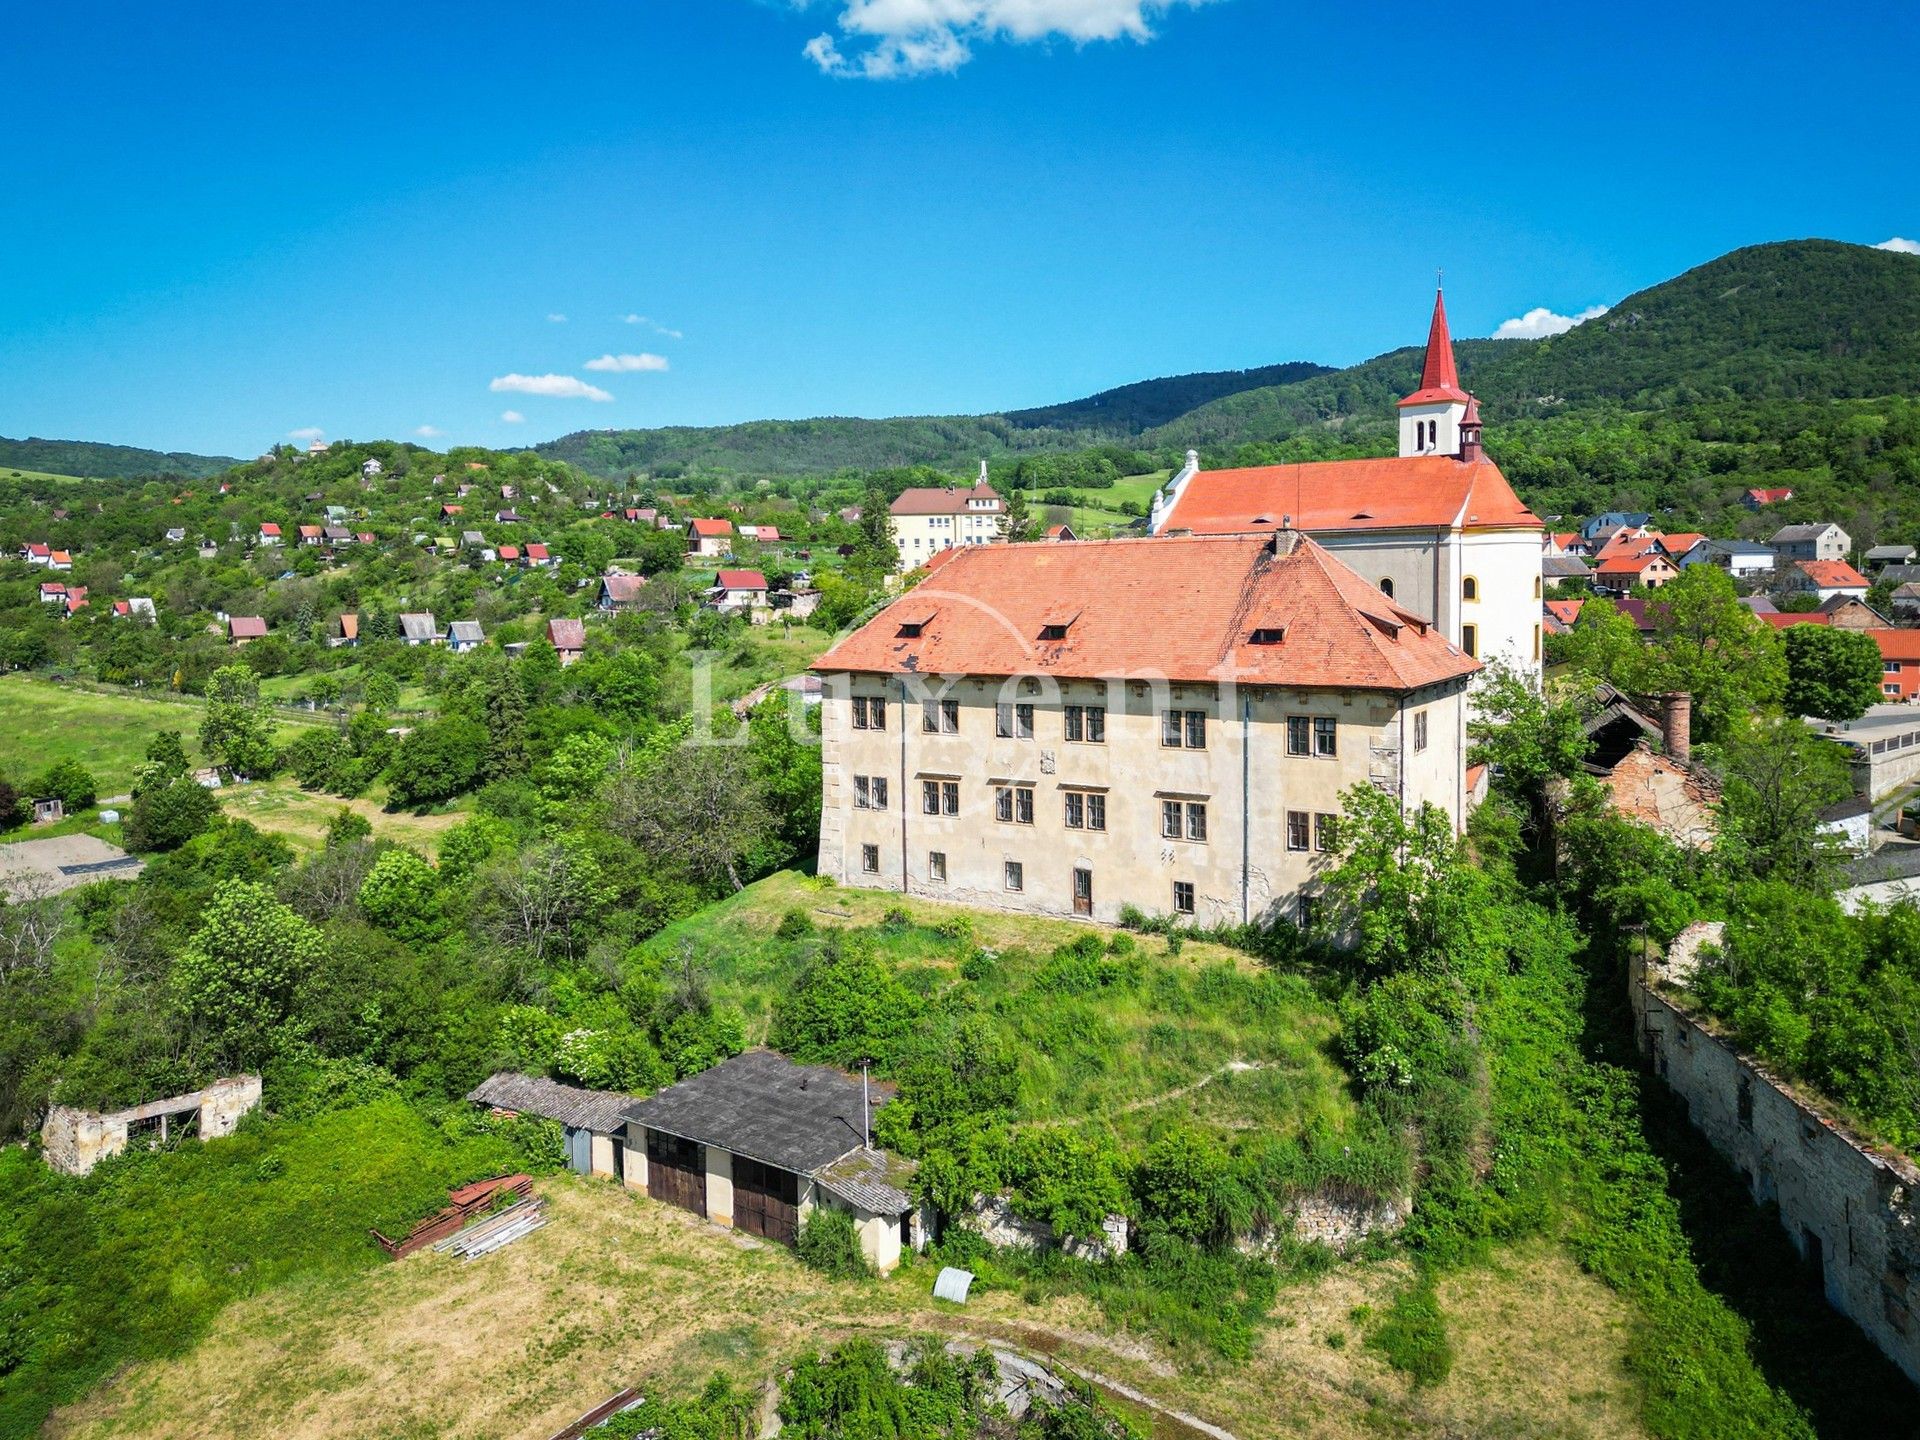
(246,627)
(1832,574)
(1897,644)
(1631,564)
(1566,539)
(1769,497)
(983,614)
(269,528)
(1439,380)
(711,529)
(567,634)
(739,580)
(1678,545)
(537,551)
(1412,492)
(1565,611)
(944,500)
(509,552)
(621,588)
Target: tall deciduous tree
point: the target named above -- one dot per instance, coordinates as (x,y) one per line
(1834,674)
(237,732)
(236,979)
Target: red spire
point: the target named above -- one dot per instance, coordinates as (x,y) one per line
(1439,380)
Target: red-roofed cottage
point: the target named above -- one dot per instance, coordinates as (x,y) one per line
(1899,662)
(1060,755)
(709,538)
(1437,527)
(739,590)
(1826,578)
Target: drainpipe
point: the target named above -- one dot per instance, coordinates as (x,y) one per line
(905,799)
(1246,808)
(1401,778)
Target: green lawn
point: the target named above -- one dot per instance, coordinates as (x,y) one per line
(42,723)
(8,473)
(1207,1036)
(1093,516)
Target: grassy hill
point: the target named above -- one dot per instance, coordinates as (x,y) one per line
(92,460)
(1810,320)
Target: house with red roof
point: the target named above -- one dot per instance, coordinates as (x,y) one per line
(709,539)
(1760,499)
(76,598)
(1899,663)
(509,554)
(245,629)
(60,560)
(569,638)
(927,519)
(1210,793)
(537,557)
(1437,528)
(738,592)
(1622,572)
(269,533)
(1826,579)
(622,592)
(52,592)
(37,553)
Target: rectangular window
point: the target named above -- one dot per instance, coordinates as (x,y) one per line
(1013,722)
(937,865)
(1196,821)
(1096,812)
(1186,728)
(870,859)
(949,797)
(1306,912)
(879,789)
(1023,805)
(1170,820)
(862,800)
(1183,897)
(940,717)
(1326,831)
(1297,823)
(1470,640)
(1299,735)
(1325,736)
(1420,732)
(1076,807)
(1003,802)
(1086,724)
(1016,875)
(860,712)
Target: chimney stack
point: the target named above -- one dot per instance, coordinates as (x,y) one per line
(1676,724)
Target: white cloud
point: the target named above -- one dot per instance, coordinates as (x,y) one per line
(1901,244)
(556,318)
(1541,322)
(513,417)
(642,361)
(306,432)
(653,325)
(892,39)
(559,387)
(428,432)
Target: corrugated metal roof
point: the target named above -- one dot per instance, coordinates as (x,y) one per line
(599,1110)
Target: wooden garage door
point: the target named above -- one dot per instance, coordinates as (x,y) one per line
(766,1201)
(676,1172)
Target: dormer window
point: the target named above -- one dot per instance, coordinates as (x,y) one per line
(1267,635)
(914,623)
(1057,621)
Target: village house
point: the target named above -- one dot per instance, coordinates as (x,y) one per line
(737,592)
(177,534)
(510,555)
(1739,558)
(538,557)
(1565,570)
(1825,578)
(344,631)
(37,553)
(1645,765)
(1906,601)
(1059,756)
(245,629)
(310,534)
(569,638)
(419,628)
(798,603)
(1821,541)
(465,635)
(1061,532)
(1881,556)
(621,592)
(709,539)
(928,519)
(1436,529)
(758,1142)
(1899,663)
(1621,573)
(269,533)
(75,599)
(1602,526)
(60,560)
(53,592)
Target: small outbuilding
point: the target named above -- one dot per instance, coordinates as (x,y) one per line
(594,1120)
(758,1142)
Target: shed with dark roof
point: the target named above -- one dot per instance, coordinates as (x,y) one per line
(758,1141)
(594,1120)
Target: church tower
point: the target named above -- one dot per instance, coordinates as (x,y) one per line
(1430,418)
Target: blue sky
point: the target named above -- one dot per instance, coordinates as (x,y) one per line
(222,224)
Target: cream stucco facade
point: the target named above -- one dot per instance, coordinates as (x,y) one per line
(1257,796)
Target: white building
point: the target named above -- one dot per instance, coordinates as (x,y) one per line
(928,519)
(1739,558)
(1437,528)
(1822,541)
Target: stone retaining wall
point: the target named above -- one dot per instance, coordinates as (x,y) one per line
(1853,1211)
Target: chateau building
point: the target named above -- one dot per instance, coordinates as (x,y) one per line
(1437,528)
(1070,728)
(928,519)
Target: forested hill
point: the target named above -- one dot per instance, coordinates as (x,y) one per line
(95,461)
(1806,320)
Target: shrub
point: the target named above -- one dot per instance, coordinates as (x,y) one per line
(71,783)
(829,1243)
(1413,1336)
(794,925)
(167,817)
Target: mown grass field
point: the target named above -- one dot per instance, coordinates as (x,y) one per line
(1207,1036)
(302,816)
(1093,515)
(618,1290)
(8,473)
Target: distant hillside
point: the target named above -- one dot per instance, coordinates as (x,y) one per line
(1797,320)
(93,460)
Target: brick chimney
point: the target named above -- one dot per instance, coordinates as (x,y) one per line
(1676,724)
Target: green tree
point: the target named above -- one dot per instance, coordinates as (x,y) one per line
(437,762)
(1021,525)
(1778,776)
(1527,733)
(167,814)
(1834,674)
(381,693)
(503,706)
(1706,643)
(236,732)
(71,783)
(401,895)
(235,981)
